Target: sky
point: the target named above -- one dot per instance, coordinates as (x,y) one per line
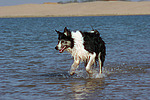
(18,2)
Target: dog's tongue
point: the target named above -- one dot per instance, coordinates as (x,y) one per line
(62,49)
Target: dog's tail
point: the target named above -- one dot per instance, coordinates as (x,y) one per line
(92,27)
(95,31)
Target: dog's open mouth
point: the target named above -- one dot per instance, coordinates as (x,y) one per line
(62,50)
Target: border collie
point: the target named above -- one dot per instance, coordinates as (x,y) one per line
(83,46)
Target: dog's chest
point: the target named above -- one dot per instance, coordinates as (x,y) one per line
(80,53)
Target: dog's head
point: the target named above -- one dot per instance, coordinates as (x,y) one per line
(64,40)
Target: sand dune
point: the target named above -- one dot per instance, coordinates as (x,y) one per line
(98,8)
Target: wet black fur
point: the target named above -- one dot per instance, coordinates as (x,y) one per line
(94,43)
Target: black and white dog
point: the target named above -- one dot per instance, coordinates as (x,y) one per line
(83,46)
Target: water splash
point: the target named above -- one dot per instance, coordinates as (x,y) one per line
(83,74)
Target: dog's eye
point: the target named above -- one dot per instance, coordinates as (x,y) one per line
(62,41)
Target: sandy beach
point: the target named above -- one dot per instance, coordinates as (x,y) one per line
(99,8)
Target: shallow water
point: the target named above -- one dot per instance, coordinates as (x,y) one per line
(31,69)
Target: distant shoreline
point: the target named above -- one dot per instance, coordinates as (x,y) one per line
(72,16)
(99,8)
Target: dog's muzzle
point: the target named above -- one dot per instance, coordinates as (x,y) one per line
(61,50)
(56,47)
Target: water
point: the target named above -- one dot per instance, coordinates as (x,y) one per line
(31,69)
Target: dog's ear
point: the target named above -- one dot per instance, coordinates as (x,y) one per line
(58,32)
(67,32)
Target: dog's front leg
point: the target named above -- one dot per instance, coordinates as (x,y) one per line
(74,66)
(90,63)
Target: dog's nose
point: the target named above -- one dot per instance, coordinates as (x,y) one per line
(56,48)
